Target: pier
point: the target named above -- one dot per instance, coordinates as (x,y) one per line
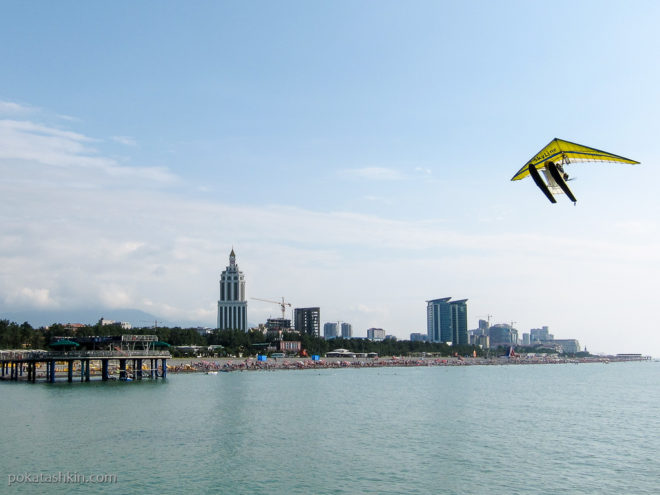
(125,357)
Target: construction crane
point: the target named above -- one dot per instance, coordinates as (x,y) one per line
(282,304)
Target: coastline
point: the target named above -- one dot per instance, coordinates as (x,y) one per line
(231,364)
(199,365)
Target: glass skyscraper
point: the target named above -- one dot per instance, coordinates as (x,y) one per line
(459,322)
(447,321)
(438,320)
(330,330)
(346,331)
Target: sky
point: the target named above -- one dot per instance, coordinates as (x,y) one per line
(357,155)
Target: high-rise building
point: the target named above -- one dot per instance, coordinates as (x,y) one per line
(278,324)
(482,341)
(330,330)
(438,320)
(375,334)
(447,321)
(346,331)
(308,320)
(276,327)
(540,334)
(232,306)
(502,334)
(459,322)
(569,346)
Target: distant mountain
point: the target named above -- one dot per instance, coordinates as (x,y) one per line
(136,317)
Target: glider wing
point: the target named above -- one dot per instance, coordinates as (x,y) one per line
(560,151)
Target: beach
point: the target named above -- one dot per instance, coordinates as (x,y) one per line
(228,364)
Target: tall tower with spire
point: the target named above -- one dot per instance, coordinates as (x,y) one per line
(232,306)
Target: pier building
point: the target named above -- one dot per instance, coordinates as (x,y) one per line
(232,306)
(124,357)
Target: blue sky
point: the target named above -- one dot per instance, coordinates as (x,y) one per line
(357,155)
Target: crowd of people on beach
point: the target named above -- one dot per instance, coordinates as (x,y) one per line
(298,364)
(250,364)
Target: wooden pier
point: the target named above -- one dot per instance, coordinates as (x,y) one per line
(136,358)
(32,365)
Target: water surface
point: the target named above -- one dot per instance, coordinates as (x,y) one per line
(537,429)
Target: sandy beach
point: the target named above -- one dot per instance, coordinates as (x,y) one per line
(200,365)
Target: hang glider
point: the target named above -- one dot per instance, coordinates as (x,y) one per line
(552,159)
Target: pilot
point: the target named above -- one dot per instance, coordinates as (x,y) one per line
(561,171)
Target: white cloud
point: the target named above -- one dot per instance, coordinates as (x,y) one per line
(388,174)
(68,118)
(125,140)
(375,173)
(38,298)
(63,245)
(378,199)
(164,254)
(115,296)
(12,108)
(45,145)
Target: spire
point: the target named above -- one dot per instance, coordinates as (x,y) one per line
(232,257)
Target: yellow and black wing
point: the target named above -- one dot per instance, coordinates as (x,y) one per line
(560,151)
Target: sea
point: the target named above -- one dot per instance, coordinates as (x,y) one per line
(516,429)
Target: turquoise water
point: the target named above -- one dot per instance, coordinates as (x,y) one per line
(538,429)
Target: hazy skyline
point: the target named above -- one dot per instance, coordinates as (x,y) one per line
(356,155)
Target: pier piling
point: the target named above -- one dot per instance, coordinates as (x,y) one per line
(20,365)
